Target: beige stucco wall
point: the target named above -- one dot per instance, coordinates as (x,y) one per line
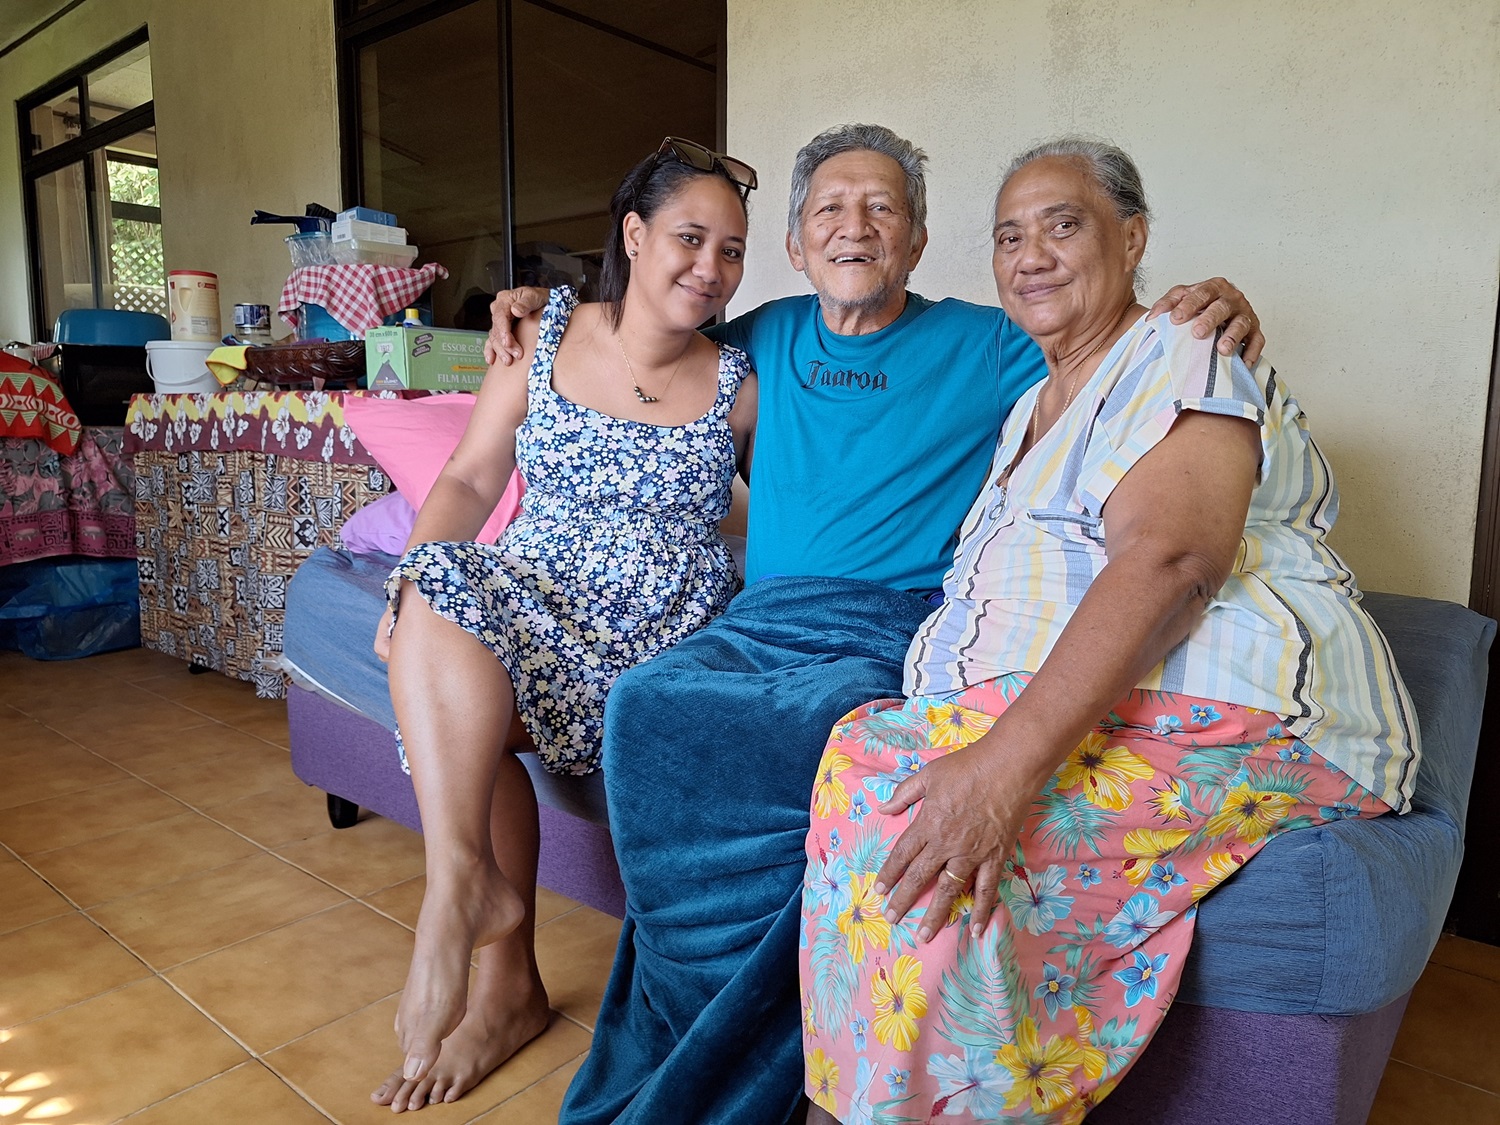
(245,117)
(1338,159)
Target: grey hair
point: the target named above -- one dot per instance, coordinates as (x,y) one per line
(859,138)
(1110,166)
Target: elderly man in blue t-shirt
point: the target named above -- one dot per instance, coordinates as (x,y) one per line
(879,412)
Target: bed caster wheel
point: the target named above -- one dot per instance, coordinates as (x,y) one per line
(342,813)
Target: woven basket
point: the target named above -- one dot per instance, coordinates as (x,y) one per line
(305,365)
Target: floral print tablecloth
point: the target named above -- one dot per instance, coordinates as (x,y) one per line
(79,503)
(233,491)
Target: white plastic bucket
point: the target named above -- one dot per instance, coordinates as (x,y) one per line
(178,367)
(193,302)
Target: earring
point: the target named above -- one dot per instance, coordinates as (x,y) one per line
(630,254)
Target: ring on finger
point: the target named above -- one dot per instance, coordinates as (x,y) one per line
(961,880)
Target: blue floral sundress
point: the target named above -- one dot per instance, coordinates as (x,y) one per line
(615,555)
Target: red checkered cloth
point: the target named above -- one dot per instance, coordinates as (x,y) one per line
(358,296)
(32,406)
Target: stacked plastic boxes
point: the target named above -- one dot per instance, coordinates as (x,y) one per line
(362,234)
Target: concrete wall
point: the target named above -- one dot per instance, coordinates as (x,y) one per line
(246,117)
(1338,159)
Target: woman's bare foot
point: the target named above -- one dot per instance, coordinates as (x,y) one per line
(460,913)
(477,1046)
(507,1011)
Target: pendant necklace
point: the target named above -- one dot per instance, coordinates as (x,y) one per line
(630,367)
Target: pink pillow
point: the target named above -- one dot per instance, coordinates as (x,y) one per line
(412,439)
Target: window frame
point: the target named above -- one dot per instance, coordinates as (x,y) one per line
(92,139)
(355,30)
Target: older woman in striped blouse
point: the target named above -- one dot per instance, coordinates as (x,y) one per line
(1148,662)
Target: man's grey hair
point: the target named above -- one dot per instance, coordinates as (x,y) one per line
(1110,166)
(859,138)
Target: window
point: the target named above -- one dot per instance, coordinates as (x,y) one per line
(496,130)
(89,180)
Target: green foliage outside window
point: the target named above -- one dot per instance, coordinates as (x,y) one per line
(135,247)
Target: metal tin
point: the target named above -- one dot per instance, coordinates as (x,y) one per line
(252,316)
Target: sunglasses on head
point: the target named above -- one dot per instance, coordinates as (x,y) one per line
(704,159)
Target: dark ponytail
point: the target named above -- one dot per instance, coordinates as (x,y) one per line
(646,189)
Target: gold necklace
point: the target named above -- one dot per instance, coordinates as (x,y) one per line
(1032,436)
(630,367)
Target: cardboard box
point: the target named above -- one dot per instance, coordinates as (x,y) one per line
(346,229)
(369,215)
(431,359)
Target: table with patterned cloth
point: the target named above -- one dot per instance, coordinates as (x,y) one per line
(233,491)
(78,503)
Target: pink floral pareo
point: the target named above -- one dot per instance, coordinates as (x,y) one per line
(1041,1016)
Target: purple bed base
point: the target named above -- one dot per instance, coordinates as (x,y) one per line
(1206,1066)
(1217,1066)
(350,756)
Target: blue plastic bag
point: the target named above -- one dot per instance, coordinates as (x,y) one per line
(61,609)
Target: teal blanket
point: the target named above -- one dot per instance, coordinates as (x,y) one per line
(709,756)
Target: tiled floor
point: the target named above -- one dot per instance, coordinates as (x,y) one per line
(184,940)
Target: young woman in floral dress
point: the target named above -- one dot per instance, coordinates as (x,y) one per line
(628,427)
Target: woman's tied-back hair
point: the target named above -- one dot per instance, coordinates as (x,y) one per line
(1110,166)
(859,138)
(646,189)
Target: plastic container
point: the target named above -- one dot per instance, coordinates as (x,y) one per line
(102,360)
(363,251)
(109,326)
(310,249)
(314,322)
(345,229)
(178,367)
(193,305)
(98,380)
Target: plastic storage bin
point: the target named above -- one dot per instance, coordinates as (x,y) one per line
(310,249)
(102,360)
(363,250)
(314,322)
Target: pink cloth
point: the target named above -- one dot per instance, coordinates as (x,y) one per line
(358,296)
(79,503)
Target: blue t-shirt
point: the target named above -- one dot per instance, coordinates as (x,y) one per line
(869,450)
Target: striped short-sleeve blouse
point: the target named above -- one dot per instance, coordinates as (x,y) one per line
(1286,632)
